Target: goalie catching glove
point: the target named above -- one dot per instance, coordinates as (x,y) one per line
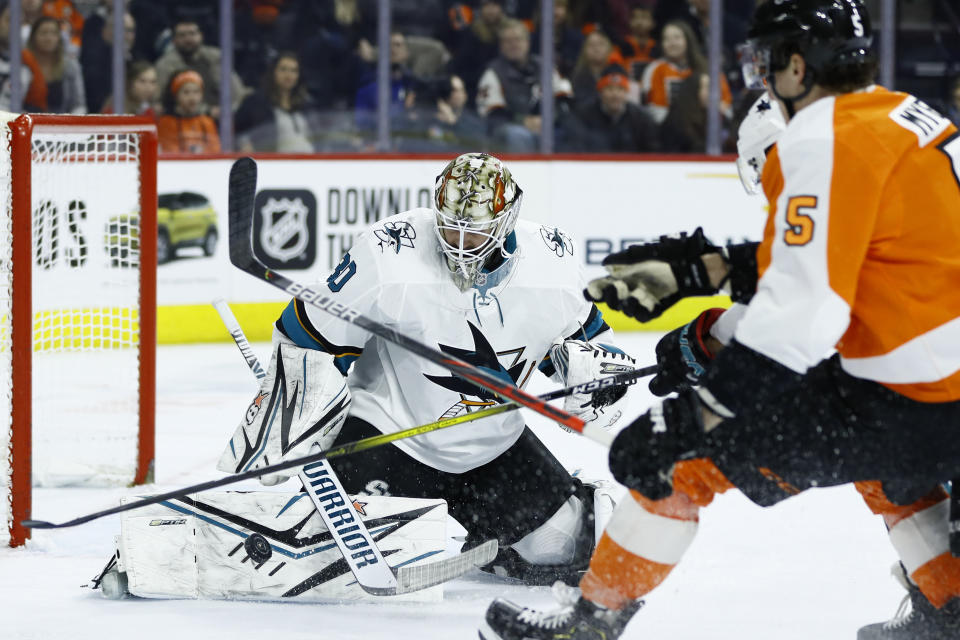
(578,362)
(302,401)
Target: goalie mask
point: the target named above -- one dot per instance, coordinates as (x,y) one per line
(759,130)
(476,203)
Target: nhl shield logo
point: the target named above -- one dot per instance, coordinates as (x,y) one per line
(284,228)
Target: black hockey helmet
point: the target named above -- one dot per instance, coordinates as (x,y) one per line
(829,34)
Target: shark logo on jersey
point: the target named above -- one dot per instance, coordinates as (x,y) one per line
(395,235)
(557,241)
(483,357)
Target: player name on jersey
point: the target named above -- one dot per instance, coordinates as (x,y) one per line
(922,119)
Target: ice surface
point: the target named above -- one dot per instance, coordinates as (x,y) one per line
(815,566)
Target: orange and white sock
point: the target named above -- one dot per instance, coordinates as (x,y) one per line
(919,533)
(645,539)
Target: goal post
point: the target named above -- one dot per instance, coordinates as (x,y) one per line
(78,237)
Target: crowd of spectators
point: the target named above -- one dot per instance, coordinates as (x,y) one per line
(629,75)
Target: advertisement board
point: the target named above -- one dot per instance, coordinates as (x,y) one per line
(308,212)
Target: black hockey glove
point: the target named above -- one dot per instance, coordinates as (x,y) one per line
(647,279)
(643,454)
(682,354)
(742,263)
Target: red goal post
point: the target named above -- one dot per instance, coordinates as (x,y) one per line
(77,304)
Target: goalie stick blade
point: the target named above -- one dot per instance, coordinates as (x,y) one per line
(243,191)
(424,576)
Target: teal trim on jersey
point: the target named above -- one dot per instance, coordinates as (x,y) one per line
(290,324)
(291,327)
(595,324)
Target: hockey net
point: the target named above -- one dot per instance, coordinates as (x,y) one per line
(77,305)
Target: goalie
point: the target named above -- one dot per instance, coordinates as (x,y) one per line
(475,282)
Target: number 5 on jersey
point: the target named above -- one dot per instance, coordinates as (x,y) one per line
(799,224)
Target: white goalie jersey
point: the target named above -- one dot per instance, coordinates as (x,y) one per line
(396,274)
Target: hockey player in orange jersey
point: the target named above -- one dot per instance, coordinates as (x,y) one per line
(843,367)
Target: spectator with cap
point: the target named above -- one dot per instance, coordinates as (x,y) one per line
(184,127)
(61,73)
(596,54)
(189,52)
(682,58)
(508,95)
(276,118)
(612,124)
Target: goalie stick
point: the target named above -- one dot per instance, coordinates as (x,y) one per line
(361,553)
(242,192)
(344,449)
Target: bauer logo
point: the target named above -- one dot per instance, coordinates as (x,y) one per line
(284,228)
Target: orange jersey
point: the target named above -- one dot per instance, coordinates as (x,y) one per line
(196,134)
(660,75)
(861,251)
(638,52)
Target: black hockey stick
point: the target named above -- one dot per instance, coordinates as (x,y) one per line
(363,556)
(344,449)
(243,188)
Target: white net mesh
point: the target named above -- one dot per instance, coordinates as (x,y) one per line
(86,292)
(85,261)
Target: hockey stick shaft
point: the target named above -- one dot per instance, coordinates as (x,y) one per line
(325,490)
(242,192)
(344,449)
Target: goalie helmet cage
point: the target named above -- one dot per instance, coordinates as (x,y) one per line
(78,267)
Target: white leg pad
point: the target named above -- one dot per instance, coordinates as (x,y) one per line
(268,546)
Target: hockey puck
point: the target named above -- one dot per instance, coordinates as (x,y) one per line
(257,548)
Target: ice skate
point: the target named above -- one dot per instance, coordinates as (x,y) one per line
(916,618)
(576,619)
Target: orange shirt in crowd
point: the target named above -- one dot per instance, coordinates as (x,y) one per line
(36,95)
(638,54)
(655,86)
(194,134)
